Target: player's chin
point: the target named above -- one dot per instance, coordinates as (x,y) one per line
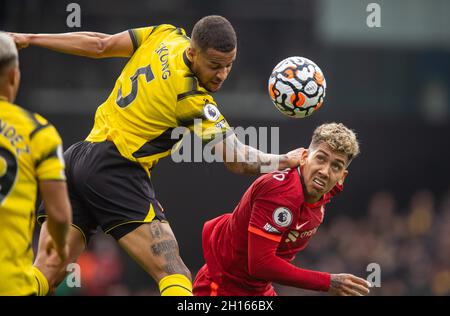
(313,192)
(319,189)
(213,87)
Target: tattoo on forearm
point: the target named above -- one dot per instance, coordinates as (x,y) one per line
(264,163)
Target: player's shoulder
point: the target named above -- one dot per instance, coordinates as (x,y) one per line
(285,184)
(161,31)
(166,27)
(41,132)
(41,124)
(14,109)
(281,178)
(27,120)
(190,89)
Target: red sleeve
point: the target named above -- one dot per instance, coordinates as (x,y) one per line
(264,264)
(272,209)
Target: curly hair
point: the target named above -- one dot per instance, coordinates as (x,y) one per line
(214,31)
(338,137)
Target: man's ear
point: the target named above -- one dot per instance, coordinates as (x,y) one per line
(12,76)
(341,182)
(191,51)
(304,157)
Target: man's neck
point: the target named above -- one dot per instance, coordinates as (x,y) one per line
(5,92)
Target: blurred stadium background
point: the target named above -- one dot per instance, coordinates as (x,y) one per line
(390,84)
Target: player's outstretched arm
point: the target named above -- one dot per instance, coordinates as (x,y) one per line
(263,263)
(87,44)
(59,212)
(242,159)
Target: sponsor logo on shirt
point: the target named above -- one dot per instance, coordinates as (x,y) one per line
(270,229)
(293,235)
(282,216)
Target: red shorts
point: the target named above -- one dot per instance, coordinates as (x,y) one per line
(205,286)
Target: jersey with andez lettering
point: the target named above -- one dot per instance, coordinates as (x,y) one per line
(30,151)
(156,93)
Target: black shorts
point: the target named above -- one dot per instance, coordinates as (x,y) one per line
(107,190)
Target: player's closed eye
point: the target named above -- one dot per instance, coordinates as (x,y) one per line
(215,66)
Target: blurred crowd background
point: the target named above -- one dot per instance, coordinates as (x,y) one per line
(390,84)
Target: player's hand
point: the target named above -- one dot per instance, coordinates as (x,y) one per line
(348,285)
(291,159)
(57,255)
(21,40)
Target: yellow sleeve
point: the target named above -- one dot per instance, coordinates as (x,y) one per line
(47,151)
(140,35)
(200,113)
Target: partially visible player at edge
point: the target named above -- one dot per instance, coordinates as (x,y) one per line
(30,157)
(249,249)
(165,84)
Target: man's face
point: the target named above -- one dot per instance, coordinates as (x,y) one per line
(10,81)
(322,169)
(211,66)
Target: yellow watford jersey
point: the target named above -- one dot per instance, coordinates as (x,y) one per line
(156,93)
(30,151)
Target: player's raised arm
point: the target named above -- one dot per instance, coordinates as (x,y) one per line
(242,159)
(87,44)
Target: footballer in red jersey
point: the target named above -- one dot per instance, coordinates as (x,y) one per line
(247,250)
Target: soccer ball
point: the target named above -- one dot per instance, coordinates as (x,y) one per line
(297,87)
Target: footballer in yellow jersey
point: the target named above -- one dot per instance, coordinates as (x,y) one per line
(155,93)
(30,157)
(167,83)
(30,151)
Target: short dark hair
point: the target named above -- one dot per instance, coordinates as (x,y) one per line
(214,31)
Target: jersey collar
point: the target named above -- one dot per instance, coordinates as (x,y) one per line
(186,60)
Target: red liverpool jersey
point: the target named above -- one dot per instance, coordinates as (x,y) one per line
(274,208)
